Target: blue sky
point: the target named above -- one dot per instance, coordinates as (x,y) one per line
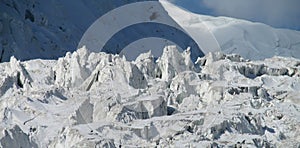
(277,13)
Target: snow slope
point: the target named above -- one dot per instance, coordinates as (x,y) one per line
(88,99)
(48,29)
(250,40)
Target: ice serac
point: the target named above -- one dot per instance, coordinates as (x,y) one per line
(172,62)
(88,99)
(171,99)
(116,70)
(72,70)
(82,69)
(15,137)
(146,63)
(184,85)
(84,113)
(144,108)
(16,76)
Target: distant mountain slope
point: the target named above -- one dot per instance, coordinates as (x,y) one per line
(48,29)
(250,40)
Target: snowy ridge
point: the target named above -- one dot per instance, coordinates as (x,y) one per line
(88,99)
(255,41)
(49,29)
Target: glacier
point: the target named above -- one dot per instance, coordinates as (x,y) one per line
(88,99)
(56,91)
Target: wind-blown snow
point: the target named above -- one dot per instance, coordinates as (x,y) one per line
(95,99)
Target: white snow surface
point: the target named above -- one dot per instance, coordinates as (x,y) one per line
(88,99)
(48,29)
(251,40)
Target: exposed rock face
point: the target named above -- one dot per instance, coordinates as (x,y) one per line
(94,99)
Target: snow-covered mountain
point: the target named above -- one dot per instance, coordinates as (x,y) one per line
(168,97)
(48,29)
